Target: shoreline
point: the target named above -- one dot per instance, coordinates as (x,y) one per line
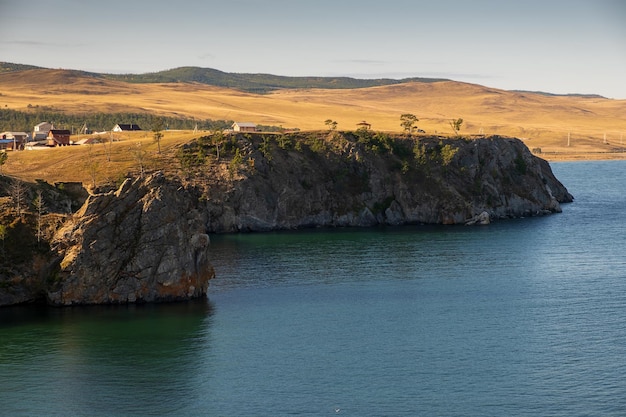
(581,156)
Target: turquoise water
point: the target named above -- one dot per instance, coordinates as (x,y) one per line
(524,317)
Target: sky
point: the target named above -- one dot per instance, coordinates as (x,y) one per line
(556,46)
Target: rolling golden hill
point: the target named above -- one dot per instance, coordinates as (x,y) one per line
(596,126)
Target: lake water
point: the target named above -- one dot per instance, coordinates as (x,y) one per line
(523,317)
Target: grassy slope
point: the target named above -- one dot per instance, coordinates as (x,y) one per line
(543,120)
(82,163)
(255,83)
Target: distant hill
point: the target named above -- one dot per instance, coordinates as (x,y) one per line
(543,93)
(72,98)
(257,83)
(9,67)
(253,83)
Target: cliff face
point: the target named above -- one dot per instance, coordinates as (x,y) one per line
(148,240)
(144,242)
(354,182)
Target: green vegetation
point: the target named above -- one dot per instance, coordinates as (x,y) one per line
(10,67)
(3,160)
(447,154)
(456,125)
(520,164)
(20,121)
(400,154)
(332,124)
(407,121)
(256,83)
(235,162)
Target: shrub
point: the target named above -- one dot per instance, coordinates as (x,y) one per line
(520,164)
(447,154)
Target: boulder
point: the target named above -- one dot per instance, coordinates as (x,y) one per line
(480,219)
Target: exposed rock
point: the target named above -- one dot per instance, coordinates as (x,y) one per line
(349,185)
(480,219)
(148,240)
(145,242)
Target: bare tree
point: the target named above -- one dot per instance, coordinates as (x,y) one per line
(18,192)
(40,207)
(157,133)
(140,155)
(92,165)
(217,138)
(107,149)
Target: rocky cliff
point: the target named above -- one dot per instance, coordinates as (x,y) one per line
(148,240)
(367,179)
(145,242)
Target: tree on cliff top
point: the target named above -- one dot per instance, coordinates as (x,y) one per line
(456,125)
(157,133)
(407,121)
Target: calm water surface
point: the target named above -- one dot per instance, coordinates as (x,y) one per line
(519,318)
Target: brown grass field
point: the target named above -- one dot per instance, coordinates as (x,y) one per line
(596,126)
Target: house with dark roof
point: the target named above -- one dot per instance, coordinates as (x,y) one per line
(59,137)
(126,127)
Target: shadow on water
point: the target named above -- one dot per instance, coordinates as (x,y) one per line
(102,360)
(332,256)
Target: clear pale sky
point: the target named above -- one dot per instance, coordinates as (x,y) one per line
(560,46)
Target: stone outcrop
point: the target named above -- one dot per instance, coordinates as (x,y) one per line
(145,242)
(481,219)
(451,181)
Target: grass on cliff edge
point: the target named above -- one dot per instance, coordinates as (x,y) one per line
(109,161)
(103,162)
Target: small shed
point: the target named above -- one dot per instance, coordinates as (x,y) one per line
(244,127)
(58,137)
(126,127)
(364,125)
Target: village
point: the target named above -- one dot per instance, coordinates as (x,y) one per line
(45,135)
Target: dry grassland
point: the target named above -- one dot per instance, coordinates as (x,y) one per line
(98,163)
(542,121)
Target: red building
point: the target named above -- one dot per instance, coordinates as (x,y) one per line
(58,137)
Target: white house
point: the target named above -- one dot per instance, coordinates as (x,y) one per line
(40,131)
(244,127)
(126,127)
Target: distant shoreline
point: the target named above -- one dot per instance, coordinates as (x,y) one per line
(581,156)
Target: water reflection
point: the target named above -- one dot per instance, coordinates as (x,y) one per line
(112,360)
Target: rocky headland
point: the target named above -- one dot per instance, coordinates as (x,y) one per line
(147,240)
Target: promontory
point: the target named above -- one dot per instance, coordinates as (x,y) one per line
(146,238)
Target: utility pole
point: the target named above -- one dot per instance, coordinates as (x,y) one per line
(568,139)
